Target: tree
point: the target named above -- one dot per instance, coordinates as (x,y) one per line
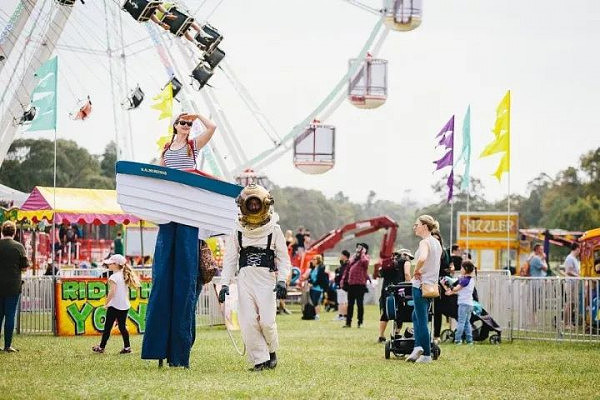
(109,159)
(30,163)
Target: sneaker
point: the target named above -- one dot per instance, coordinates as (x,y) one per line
(126,350)
(381,339)
(10,349)
(286,311)
(469,343)
(259,367)
(346,326)
(98,349)
(416,353)
(458,343)
(272,363)
(317,317)
(360,325)
(424,359)
(436,340)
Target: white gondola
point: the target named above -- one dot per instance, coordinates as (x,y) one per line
(249,176)
(403,15)
(368,87)
(314,149)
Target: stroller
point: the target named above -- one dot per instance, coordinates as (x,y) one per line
(482,324)
(399,307)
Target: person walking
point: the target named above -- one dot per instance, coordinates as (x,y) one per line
(13,261)
(117,302)
(426,273)
(355,281)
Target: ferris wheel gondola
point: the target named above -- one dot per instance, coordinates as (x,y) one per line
(314,149)
(403,15)
(367,88)
(134,99)
(83,110)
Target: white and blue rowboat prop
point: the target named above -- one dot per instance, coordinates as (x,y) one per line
(161,195)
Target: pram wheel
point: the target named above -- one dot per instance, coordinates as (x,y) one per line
(436,351)
(388,349)
(447,335)
(495,339)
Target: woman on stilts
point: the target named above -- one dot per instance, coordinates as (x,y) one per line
(170,326)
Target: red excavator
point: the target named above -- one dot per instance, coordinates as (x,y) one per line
(352,231)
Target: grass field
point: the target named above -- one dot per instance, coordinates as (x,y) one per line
(318,359)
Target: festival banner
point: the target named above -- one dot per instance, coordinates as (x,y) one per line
(80,306)
(487,226)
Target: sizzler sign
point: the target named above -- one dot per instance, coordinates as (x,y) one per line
(487,225)
(80,306)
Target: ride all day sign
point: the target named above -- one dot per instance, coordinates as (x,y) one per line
(80,306)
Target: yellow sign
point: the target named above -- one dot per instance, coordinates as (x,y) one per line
(80,306)
(487,226)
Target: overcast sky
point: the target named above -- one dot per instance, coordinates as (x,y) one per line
(290,54)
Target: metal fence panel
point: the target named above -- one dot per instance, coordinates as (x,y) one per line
(208,311)
(36,306)
(494,289)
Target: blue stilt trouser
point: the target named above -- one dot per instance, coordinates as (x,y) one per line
(170,322)
(8,310)
(419,318)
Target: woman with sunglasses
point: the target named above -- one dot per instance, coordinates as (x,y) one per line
(181,152)
(170,317)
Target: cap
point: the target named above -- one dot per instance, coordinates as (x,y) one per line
(115,259)
(407,253)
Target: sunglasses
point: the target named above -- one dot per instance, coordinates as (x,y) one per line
(188,123)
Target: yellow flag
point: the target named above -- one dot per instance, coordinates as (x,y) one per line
(503,167)
(501,131)
(164,139)
(164,102)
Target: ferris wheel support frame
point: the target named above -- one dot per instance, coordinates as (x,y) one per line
(21,95)
(14,27)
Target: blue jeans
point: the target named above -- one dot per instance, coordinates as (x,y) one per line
(170,323)
(464,324)
(8,310)
(419,318)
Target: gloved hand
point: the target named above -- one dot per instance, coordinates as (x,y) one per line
(223,292)
(281,290)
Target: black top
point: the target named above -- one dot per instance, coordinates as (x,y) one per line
(300,240)
(444,264)
(393,275)
(12,261)
(339,271)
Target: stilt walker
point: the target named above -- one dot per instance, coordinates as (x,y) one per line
(257,251)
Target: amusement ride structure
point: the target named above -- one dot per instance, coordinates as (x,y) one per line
(191,52)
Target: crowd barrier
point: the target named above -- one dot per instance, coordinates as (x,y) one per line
(556,308)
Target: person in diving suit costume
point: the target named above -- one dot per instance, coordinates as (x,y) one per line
(257,251)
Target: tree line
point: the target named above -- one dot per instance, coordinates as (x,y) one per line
(569,200)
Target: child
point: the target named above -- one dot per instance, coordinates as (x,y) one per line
(117,301)
(464,288)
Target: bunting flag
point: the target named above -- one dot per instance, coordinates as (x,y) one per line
(43,97)
(164,102)
(465,153)
(446,140)
(501,143)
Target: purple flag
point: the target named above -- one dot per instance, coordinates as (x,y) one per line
(446,161)
(450,183)
(448,127)
(447,141)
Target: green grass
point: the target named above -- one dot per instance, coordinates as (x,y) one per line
(318,359)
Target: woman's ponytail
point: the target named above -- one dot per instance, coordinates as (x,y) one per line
(131,278)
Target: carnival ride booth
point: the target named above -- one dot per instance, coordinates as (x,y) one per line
(402,15)
(488,237)
(546,237)
(314,149)
(90,207)
(590,253)
(368,87)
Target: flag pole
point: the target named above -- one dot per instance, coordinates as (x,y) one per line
(508,199)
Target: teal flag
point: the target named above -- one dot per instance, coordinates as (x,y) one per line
(465,153)
(43,97)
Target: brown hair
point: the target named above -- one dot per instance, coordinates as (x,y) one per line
(318,258)
(436,233)
(430,222)
(468,266)
(9,228)
(190,151)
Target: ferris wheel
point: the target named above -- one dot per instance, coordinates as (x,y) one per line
(191,51)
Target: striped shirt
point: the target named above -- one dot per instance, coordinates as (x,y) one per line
(179,159)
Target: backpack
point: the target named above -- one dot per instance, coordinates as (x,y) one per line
(207,266)
(308,311)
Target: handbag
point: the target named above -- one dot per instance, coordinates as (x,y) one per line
(208,265)
(430,290)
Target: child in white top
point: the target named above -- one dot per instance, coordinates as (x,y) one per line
(464,288)
(117,302)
